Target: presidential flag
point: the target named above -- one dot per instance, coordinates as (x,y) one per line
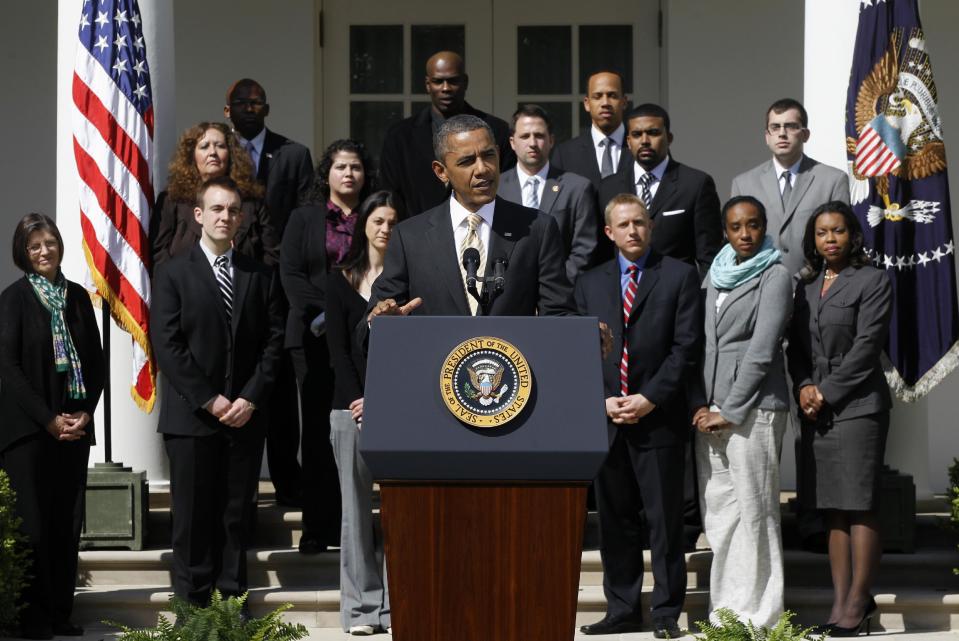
(113,146)
(900,190)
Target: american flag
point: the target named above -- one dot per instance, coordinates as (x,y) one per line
(113,145)
(879,150)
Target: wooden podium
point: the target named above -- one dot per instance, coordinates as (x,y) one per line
(483,526)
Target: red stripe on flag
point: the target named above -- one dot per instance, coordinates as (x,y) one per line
(114,135)
(112,204)
(124,291)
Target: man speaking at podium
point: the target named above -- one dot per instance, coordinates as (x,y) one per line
(519,249)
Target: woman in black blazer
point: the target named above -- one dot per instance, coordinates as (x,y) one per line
(840,326)
(51,377)
(364,598)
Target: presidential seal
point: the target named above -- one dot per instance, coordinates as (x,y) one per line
(485,382)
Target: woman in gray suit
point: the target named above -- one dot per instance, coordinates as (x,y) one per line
(842,319)
(741,412)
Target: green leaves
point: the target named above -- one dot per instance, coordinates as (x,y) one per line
(730,628)
(13,556)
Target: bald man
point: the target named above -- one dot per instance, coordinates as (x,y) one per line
(407,157)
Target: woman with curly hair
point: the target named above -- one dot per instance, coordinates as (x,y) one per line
(341,183)
(209,150)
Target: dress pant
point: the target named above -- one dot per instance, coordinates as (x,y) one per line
(631,480)
(283,432)
(211,481)
(364,596)
(50,479)
(739,485)
(321,486)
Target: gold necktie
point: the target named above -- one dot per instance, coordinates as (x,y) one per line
(472,239)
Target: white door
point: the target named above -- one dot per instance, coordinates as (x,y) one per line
(374,52)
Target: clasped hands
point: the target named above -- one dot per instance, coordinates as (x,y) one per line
(810,401)
(624,410)
(706,421)
(232,413)
(69,427)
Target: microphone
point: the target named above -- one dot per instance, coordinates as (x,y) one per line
(471,262)
(499,274)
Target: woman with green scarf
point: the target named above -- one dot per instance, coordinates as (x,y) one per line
(51,377)
(741,414)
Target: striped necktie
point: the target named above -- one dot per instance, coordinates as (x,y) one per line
(222,272)
(629,297)
(473,239)
(644,182)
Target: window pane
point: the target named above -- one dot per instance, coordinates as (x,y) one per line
(417,106)
(425,40)
(560,114)
(544,60)
(376,59)
(369,121)
(606,47)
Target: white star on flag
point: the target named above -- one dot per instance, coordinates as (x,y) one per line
(121,41)
(121,65)
(102,43)
(102,19)
(121,17)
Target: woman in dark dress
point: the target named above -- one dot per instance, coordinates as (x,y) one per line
(209,150)
(842,312)
(52,373)
(365,604)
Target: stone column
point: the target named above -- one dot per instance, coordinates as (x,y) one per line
(135,441)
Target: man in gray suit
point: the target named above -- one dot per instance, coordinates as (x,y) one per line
(569,198)
(790,185)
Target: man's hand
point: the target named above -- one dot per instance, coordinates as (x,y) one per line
(605,339)
(712,422)
(356,410)
(628,409)
(810,401)
(389,307)
(700,415)
(218,406)
(241,410)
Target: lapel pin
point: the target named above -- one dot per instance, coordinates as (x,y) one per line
(508,234)
(555,187)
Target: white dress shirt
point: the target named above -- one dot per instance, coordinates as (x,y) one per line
(458,217)
(657,171)
(211,257)
(617,146)
(256,147)
(793,172)
(524,178)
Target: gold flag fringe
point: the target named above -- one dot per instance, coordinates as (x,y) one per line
(121,315)
(936,374)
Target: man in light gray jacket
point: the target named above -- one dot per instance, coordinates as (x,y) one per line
(791,184)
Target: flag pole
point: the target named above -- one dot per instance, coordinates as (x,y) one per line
(107,407)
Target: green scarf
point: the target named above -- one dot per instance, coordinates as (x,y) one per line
(53,296)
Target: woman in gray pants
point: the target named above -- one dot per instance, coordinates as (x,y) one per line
(740,414)
(364,598)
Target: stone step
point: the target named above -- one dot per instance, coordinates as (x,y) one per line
(139,605)
(288,568)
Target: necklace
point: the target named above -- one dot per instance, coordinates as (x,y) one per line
(830,275)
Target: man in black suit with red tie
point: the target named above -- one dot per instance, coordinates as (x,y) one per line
(652,304)
(285,169)
(216,329)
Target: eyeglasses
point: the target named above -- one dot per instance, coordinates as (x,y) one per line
(36,248)
(258,103)
(790,127)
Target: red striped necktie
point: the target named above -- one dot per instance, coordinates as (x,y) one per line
(629,297)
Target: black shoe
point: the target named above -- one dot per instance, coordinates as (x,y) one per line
(666,629)
(613,625)
(822,628)
(310,544)
(871,608)
(67,629)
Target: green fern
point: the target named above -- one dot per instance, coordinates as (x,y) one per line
(730,628)
(221,621)
(954,500)
(13,557)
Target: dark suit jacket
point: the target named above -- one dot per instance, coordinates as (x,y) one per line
(685,213)
(32,392)
(837,339)
(174,230)
(421,260)
(303,272)
(286,169)
(199,355)
(406,162)
(571,200)
(665,336)
(578,155)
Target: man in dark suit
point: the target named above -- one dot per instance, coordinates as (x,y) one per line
(407,156)
(567,197)
(599,151)
(285,169)
(216,329)
(652,303)
(423,272)
(682,201)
